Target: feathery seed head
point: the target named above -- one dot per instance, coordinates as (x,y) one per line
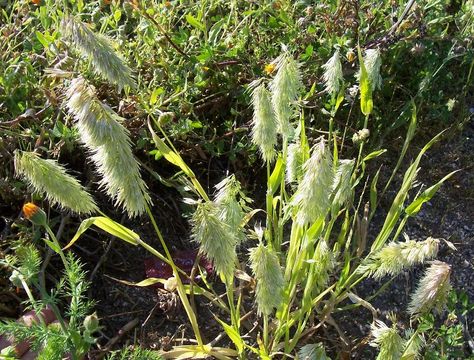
(324,263)
(342,182)
(216,238)
(373,62)
(294,162)
(333,74)
(232,204)
(99,50)
(285,89)
(267,271)
(388,340)
(264,124)
(51,178)
(395,257)
(311,199)
(432,290)
(413,346)
(102,132)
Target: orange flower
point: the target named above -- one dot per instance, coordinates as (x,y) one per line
(269,68)
(34,213)
(36,2)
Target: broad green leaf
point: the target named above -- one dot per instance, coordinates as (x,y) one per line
(366,102)
(276,177)
(43,40)
(109,226)
(154,95)
(195,22)
(117,15)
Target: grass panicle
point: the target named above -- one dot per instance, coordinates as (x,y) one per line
(432,290)
(98,49)
(285,88)
(395,257)
(264,123)
(294,162)
(414,344)
(102,132)
(232,205)
(268,274)
(51,178)
(332,75)
(215,237)
(312,197)
(324,263)
(342,182)
(373,63)
(389,342)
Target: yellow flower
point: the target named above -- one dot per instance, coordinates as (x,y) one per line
(269,68)
(350,55)
(34,213)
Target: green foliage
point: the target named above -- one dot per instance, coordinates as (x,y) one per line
(52,340)
(134,353)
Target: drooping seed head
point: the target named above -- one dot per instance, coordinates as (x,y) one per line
(232,204)
(102,132)
(373,62)
(432,290)
(396,257)
(98,49)
(342,182)
(50,178)
(294,162)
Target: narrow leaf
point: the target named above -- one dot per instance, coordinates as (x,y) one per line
(109,226)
